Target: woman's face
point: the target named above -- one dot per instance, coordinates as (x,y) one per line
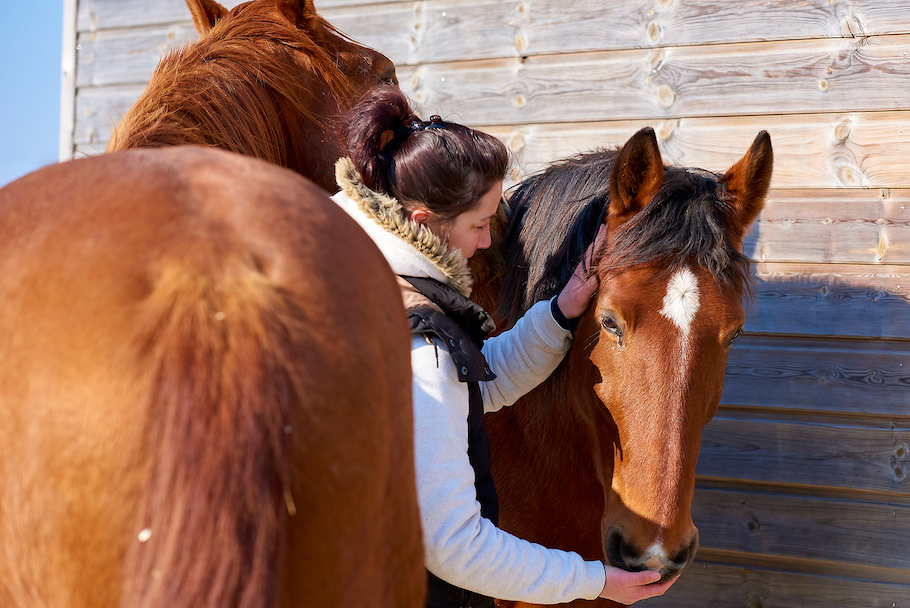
(470,231)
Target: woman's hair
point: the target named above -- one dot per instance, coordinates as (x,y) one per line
(441,166)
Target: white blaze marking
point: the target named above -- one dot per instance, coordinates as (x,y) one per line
(681,301)
(656,558)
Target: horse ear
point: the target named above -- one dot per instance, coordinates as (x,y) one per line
(206,13)
(638,173)
(748,181)
(298,12)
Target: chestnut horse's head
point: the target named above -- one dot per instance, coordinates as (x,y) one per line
(646,371)
(266,79)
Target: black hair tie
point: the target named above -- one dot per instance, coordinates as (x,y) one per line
(435,123)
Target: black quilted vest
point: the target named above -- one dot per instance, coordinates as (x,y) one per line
(460,328)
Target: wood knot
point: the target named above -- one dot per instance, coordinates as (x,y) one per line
(653,31)
(843,129)
(665,96)
(520,43)
(667,128)
(517,142)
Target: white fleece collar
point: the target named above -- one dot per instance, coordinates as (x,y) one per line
(411,249)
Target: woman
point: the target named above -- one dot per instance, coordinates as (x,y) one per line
(426,192)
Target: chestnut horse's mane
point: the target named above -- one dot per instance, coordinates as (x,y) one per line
(228,89)
(556,215)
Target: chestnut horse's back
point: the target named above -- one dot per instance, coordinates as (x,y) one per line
(205,392)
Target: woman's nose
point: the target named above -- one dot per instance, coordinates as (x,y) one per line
(485,240)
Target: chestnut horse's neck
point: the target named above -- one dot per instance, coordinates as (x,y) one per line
(253,85)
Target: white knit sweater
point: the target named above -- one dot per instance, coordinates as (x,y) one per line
(462,547)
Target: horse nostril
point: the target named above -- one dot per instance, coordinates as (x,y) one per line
(619,554)
(687,554)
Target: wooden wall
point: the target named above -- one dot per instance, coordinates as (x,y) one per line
(803,493)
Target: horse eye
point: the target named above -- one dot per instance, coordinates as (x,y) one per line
(734,337)
(609,323)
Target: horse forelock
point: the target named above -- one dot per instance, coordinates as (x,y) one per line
(237,88)
(556,215)
(687,223)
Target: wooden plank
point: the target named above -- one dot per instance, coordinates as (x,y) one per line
(844,377)
(810,150)
(831,300)
(553,26)
(97,15)
(67,82)
(117,57)
(757,78)
(794,526)
(829,454)
(844,226)
(99,109)
(732,586)
(723,80)
(450,30)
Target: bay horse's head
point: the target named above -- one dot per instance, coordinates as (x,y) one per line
(646,371)
(267,79)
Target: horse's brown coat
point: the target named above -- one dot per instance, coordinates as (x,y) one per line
(192,347)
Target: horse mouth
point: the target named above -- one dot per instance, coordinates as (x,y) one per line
(620,554)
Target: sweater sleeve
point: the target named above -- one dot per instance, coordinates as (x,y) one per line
(523,356)
(462,547)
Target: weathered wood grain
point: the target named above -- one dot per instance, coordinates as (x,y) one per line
(844,455)
(99,109)
(810,150)
(841,377)
(831,300)
(707,584)
(846,226)
(118,57)
(453,30)
(726,80)
(722,80)
(797,526)
(97,15)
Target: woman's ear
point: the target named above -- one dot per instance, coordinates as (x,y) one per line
(420,215)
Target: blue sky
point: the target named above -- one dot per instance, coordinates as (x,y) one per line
(30,47)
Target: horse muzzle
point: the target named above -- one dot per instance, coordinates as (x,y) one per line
(622,553)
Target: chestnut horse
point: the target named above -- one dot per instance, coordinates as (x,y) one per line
(266,79)
(600,459)
(202,403)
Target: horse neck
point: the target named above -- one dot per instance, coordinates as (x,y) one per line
(236,114)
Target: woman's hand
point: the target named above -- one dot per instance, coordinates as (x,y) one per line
(630,587)
(574,298)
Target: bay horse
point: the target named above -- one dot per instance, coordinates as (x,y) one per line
(600,459)
(266,79)
(201,403)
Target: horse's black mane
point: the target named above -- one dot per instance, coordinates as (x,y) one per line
(556,214)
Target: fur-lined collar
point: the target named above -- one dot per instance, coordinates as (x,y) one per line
(390,215)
